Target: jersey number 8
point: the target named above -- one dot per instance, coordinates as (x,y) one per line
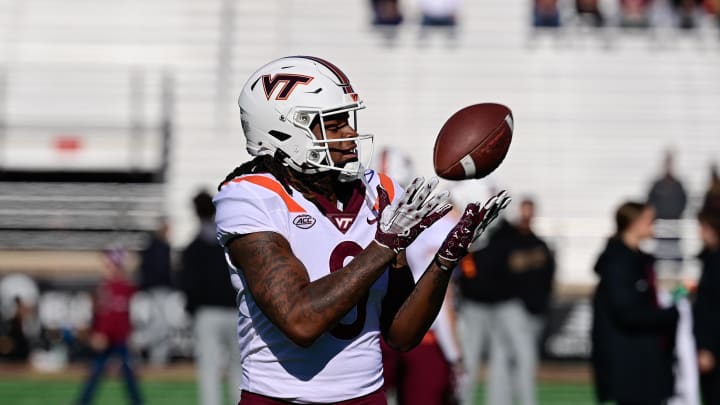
(337,261)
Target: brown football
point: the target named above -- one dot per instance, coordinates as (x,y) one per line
(473,142)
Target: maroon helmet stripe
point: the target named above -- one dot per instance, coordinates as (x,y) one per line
(344,81)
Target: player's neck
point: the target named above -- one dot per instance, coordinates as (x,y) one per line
(324,184)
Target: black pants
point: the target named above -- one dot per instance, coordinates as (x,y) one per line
(710,386)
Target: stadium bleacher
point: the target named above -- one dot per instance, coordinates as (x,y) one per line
(81,80)
(592,120)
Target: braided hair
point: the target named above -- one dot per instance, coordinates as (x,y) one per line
(306,184)
(261,164)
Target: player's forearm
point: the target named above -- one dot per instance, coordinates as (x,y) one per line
(419,310)
(281,287)
(319,305)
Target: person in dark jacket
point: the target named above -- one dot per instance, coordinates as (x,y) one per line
(205,279)
(667,194)
(532,262)
(506,300)
(487,291)
(669,199)
(632,337)
(707,309)
(19,332)
(155,279)
(711,201)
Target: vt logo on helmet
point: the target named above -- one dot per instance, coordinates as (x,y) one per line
(284,100)
(289,82)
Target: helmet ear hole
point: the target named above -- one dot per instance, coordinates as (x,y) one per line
(280,136)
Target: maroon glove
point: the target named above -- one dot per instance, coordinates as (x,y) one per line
(472,224)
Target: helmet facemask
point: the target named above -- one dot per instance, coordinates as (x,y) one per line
(318,157)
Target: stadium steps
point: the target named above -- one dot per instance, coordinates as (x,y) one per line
(77,216)
(593,113)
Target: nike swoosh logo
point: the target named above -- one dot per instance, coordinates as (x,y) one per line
(371,221)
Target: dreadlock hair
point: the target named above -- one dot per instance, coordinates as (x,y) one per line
(261,164)
(306,184)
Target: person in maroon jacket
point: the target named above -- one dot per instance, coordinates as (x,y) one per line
(111,328)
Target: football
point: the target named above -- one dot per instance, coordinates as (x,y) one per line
(473,142)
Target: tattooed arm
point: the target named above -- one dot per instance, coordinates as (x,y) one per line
(280,284)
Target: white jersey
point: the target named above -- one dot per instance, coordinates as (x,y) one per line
(343,363)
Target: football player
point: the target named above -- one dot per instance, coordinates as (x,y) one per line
(316,243)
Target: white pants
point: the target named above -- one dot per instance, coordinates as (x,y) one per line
(158,328)
(216,349)
(510,333)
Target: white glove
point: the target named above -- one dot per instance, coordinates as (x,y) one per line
(403,220)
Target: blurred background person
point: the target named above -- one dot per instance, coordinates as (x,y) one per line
(632,337)
(517,255)
(21,330)
(589,11)
(712,7)
(635,13)
(546,13)
(668,198)
(533,264)
(156,280)
(439,14)
(685,10)
(707,309)
(494,324)
(205,279)
(386,12)
(667,194)
(111,328)
(17,333)
(711,200)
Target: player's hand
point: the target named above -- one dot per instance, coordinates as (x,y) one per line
(472,224)
(403,220)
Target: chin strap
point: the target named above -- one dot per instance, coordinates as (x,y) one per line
(351,172)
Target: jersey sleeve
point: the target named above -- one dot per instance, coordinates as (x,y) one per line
(243,208)
(392,187)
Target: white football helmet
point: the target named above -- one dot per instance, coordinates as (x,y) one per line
(280,102)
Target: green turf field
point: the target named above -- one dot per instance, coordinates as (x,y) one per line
(60,392)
